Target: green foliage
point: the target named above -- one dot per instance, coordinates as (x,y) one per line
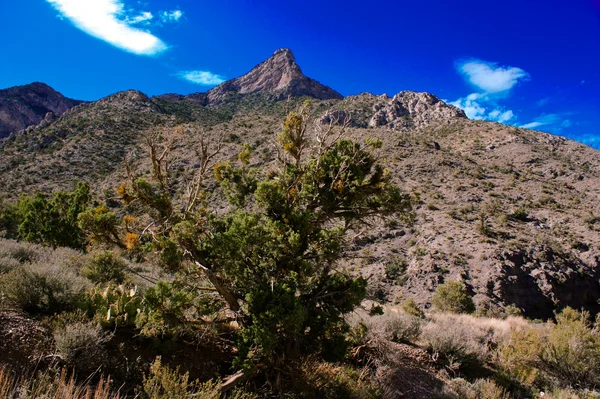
(572,350)
(395,269)
(168,310)
(238,182)
(410,307)
(165,383)
(273,258)
(521,214)
(113,305)
(100,225)
(453,297)
(565,353)
(105,267)
(48,221)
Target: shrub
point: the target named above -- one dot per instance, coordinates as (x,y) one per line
(566,353)
(166,383)
(453,297)
(327,380)
(167,309)
(463,341)
(572,349)
(395,269)
(79,344)
(105,267)
(410,307)
(521,214)
(398,327)
(39,290)
(480,389)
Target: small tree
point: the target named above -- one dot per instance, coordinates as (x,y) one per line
(453,297)
(48,221)
(274,259)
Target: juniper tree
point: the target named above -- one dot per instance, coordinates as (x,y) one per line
(275,257)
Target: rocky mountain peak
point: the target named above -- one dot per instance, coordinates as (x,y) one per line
(279,75)
(28,105)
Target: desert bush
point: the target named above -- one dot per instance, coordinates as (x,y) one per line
(453,297)
(397,327)
(79,343)
(462,341)
(41,288)
(163,382)
(105,267)
(410,307)
(327,380)
(480,389)
(565,353)
(39,279)
(8,264)
(566,393)
(395,268)
(20,251)
(571,351)
(521,214)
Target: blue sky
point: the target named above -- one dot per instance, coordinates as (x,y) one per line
(527,63)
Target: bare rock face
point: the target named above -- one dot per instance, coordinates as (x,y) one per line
(410,108)
(279,75)
(24,106)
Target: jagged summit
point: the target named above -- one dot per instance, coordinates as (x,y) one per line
(279,75)
(28,105)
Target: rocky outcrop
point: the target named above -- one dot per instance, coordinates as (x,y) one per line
(540,280)
(406,109)
(24,106)
(279,76)
(409,108)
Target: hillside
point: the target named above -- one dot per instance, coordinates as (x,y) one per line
(507,210)
(25,106)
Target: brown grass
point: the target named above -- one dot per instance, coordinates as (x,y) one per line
(46,386)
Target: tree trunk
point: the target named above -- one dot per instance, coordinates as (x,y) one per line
(221,289)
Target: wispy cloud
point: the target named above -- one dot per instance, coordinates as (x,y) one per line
(107,20)
(171,16)
(143,18)
(489,77)
(557,121)
(494,83)
(203,78)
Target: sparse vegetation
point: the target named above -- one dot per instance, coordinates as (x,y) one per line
(453,297)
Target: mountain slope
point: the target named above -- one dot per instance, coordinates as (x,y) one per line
(24,106)
(511,212)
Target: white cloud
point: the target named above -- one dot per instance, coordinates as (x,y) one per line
(491,78)
(481,106)
(494,83)
(171,16)
(108,21)
(203,78)
(546,120)
(144,18)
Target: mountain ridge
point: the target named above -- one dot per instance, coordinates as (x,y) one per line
(28,105)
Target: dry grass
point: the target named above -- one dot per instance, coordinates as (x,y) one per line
(463,340)
(46,386)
